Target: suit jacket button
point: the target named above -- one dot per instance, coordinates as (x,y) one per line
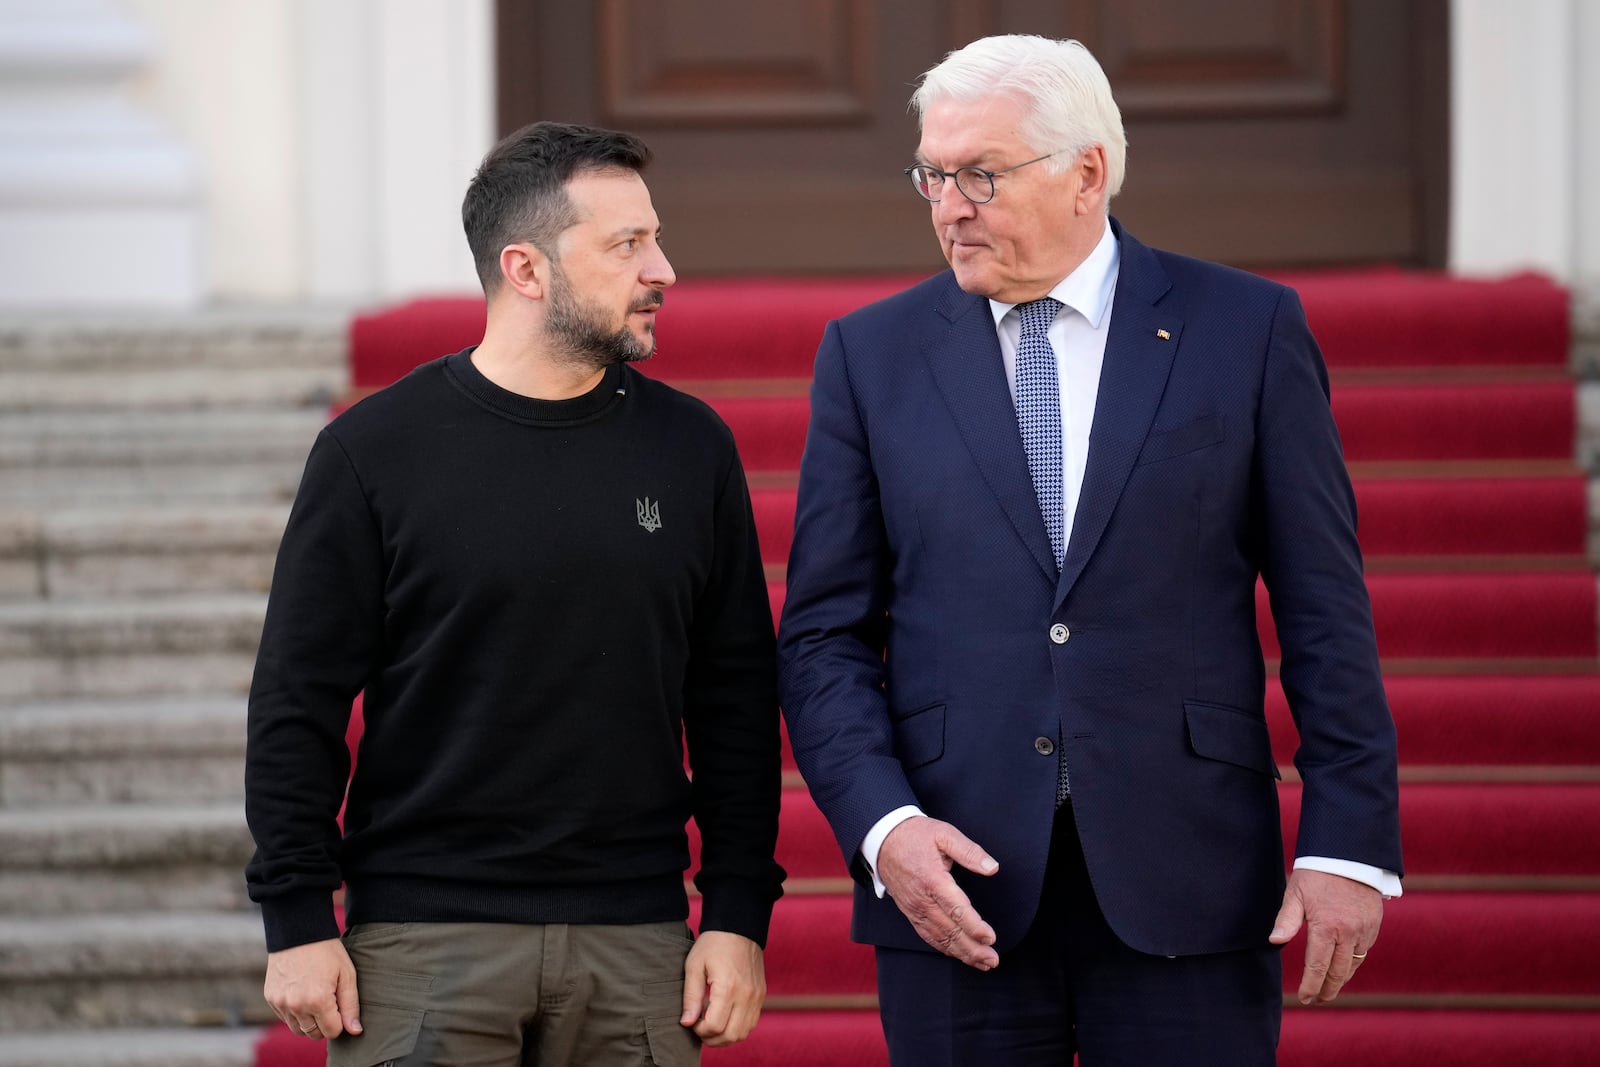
(1059,634)
(1043,745)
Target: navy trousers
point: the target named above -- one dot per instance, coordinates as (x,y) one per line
(1070,987)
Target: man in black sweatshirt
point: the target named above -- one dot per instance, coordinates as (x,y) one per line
(541,568)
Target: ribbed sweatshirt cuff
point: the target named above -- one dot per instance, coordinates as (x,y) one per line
(298,919)
(738,907)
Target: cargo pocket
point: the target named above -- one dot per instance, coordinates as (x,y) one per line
(671,1043)
(392,1009)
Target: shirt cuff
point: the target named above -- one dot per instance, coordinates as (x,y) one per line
(874,841)
(1385,882)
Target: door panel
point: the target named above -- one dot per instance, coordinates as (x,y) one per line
(1262,132)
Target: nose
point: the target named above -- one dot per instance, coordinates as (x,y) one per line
(657,272)
(952,206)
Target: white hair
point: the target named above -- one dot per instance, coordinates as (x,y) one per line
(1069,101)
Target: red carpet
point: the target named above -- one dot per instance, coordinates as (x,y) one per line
(1459,423)
(1457,834)
(1539,943)
(1317,1038)
(1480,517)
(1391,423)
(769,327)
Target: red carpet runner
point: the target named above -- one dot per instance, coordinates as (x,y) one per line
(1457,416)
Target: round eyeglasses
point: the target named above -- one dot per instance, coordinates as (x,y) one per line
(975,183)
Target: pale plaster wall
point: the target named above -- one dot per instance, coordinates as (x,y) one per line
(336,137)
(1525,168)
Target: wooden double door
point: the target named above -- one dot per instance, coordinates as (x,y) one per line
(1264,133)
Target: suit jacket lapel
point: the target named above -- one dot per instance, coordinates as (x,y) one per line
(1132,378)
(967,367)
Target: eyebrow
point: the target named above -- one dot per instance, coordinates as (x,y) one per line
(985,157)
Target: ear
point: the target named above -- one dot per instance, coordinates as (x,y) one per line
(1091,169)
(525,270)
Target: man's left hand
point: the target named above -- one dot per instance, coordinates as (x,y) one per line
(724,985)
(1342,917)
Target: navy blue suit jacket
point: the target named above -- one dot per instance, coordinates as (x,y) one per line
(916,660)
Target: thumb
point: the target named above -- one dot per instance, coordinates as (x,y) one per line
(348,1001)
(965,851)
(1290,917)
(694,990)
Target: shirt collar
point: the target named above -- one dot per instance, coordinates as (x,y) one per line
(1087,290)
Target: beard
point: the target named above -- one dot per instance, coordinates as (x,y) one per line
(577,327)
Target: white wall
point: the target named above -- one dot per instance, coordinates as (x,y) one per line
(1525,169)
(99,201)
(224,80)
(335,138)
(1586,137)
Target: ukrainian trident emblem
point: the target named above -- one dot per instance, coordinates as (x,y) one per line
(649,514)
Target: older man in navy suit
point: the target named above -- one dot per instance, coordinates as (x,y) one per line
(1019,653)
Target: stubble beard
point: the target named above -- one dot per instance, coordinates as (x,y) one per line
(576,328)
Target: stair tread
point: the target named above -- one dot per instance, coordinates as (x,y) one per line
(130,1047)
(78,728)
(1319,1037)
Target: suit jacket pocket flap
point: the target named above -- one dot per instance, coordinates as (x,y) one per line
(1219,732)
(919,735)
(1190,437)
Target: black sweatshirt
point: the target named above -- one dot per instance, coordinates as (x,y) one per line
(542,601)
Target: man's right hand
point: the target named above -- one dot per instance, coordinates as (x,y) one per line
(313,989)
(914,865)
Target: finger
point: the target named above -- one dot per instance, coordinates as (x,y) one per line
(1289,920)
(958,907)
(1340,971)
(745,1019)
(327,1022)
(942,914)
(743,1004)
(961,934)
(694,992)
(718,1010)
(967,852)
(1319,961)
(347,1000)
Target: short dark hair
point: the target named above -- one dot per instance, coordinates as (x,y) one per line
(520,190)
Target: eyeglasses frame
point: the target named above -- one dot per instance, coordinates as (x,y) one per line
(954,175)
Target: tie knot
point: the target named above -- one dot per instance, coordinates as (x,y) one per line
(1037,315)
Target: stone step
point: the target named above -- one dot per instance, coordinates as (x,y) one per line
(209,1047)
(21,573)
(235,338)
(123,858)
(124,835)
(53,650)
(1594,517)
(1589,425)
(131,969)
(168,389)
(84,553)
(57,440)
(32,489)
(173,750)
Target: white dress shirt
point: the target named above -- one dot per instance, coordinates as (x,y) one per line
(1078,337)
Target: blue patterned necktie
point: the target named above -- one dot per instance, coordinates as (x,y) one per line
(1039,416)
